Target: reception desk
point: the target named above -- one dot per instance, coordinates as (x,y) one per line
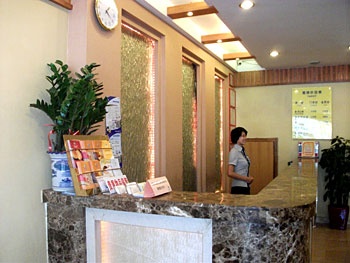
(271,226)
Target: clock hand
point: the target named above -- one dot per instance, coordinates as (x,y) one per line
(108,12)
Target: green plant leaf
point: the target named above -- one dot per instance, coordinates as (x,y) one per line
(76,103)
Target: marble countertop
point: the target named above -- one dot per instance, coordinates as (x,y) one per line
(294,188)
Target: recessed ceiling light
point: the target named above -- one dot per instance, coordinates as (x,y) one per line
(219,41)
(190,13)
(246,4)
(274,53)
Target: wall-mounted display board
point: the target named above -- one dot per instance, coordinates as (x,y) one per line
(312,113)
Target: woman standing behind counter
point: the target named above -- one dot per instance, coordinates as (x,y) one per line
(238,166)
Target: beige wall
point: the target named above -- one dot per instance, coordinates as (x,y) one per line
(267,112)
(33,33)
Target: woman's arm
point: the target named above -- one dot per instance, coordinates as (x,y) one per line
(231,173)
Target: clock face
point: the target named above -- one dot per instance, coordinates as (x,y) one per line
(107,13)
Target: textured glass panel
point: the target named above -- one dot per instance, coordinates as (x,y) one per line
(218,175)
(135,104)
(189,125)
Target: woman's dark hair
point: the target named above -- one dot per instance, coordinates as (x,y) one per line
(236,133)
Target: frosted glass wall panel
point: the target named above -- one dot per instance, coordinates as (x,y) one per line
(114,236)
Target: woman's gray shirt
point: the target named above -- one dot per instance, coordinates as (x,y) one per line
(236,158)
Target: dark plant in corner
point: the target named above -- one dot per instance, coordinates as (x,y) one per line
(336,162)
(76,104)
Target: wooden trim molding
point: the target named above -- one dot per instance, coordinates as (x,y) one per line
(272,77)
(64,3)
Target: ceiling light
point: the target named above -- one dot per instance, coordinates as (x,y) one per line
(274,53)
(219,41)
(246,4)
(190,13)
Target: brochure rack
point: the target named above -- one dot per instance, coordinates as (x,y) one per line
(89,157)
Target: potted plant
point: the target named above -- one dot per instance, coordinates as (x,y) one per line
(336,162)
(76,106)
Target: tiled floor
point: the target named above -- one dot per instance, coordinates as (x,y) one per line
(330,245)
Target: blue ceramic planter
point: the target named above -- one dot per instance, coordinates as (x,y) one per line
(61,177)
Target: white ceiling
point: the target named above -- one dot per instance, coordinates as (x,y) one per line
(302,31)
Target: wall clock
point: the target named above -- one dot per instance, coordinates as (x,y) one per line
(106,13)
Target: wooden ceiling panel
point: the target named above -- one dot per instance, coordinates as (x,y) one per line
(226,37)
(64,3)
(240,55)
(198,9)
